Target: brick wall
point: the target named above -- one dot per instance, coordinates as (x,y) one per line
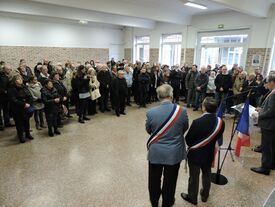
(261,52)
(128,54)
(189,56)
(154,55)
(32,55)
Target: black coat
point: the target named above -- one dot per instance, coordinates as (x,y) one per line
(4,85)
(202,81)
(206,124)
(105,79)
(80,85)
(61,89)
(176,78)
(19,97)
(144,82)
(223,81)
(48,96)
(119,90)
(267,114)
(251,86)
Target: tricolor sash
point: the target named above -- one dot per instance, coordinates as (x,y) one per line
(166,125)
(210,137)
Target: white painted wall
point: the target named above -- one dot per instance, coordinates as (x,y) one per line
(26,32)
(262,30)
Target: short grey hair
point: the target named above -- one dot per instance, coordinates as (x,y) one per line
(164,91)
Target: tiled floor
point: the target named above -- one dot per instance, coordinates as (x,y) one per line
(103,163)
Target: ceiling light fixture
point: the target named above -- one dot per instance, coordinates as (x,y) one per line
(83,22)
(195,5)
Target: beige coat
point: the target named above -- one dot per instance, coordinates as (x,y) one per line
(238,83)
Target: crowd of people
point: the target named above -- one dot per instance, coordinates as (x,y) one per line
(49,90)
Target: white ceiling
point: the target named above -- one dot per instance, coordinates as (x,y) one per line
(134,13)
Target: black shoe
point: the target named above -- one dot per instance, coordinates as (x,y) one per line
(257,149)
(260,170)
(86,118)
(117,114)
(273,168)
(123,113)
(2,128)
(203,199)
(57,132)
(10,125)
(107,109)
(186,197)
(128,104)
(22,140)
(81,121)
(50,133)
(69,116)
(195,109)
(30,137)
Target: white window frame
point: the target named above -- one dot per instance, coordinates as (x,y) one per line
(136,44)
(170,43)
(243,31)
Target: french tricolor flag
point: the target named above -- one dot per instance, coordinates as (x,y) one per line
(243,130)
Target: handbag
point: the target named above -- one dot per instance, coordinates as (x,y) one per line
(95,94)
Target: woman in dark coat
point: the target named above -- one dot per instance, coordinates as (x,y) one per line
(80,85)
(120,92)
(51,100)
(144,84)
(21,106)
(62,91)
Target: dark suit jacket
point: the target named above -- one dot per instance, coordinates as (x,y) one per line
(200,129)
(267,115)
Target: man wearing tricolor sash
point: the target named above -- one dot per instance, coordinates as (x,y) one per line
(166,125)
(201,139)
(266,121)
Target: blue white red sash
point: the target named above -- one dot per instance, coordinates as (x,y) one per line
(208,139)
(167,124)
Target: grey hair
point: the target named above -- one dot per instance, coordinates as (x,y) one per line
(120,72)
(164,91)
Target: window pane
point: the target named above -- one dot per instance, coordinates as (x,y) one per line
(225,39)
(172,38)
(143,39)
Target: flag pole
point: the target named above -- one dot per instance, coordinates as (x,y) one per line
(217,177)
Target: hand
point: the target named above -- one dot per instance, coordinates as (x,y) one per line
(221,89)
(57,100)
(258,109)
(65,98)
(255,115)
(198,88)
(27,105)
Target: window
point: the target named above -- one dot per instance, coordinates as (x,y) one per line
(215,47)
(272,60)
(142,48)
(170,53)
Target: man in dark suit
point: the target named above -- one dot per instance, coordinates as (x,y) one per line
(201,146)
(266,121)
(166,147)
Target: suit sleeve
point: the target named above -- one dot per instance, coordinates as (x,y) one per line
(148,125)
(270,113)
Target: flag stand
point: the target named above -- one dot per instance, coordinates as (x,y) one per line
(217,177)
